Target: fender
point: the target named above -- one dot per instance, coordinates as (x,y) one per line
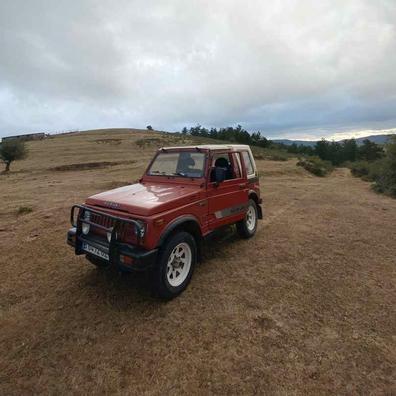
(176,223)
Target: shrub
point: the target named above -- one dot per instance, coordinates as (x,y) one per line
(316,166)
(359,168)
(278,157)
(24,210)
(149,141)
(382,171)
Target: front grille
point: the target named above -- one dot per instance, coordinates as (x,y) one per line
(127,231)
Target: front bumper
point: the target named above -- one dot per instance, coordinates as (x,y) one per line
(139,258)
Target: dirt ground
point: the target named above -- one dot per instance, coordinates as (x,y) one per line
(305,307)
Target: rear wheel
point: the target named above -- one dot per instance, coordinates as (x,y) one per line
(247,227)
(175,265)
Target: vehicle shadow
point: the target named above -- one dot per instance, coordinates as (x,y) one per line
(219,240)
(120,290)
(123,290)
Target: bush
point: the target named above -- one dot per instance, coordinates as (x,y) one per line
(24,210)
(382,171)
(278,157)
(316,166)
(359,168)
(149,141)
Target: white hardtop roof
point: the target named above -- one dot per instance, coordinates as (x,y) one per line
(211,147)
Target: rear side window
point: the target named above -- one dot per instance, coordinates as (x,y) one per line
(248,163)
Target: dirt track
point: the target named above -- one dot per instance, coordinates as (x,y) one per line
(307,306)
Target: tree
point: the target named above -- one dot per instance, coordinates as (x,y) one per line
(335,152)
(196,131)
(232,134)
(350,150)
(12,150)
(149,127)
(370,151)
(322,149)
(390,149)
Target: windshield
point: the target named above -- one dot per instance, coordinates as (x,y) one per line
(183,163)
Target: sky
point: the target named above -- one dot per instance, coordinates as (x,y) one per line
(288,68)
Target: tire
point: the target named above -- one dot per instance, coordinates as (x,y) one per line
(247,227)
(175,266)
(97,261)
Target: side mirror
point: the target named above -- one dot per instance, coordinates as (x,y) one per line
(219,175)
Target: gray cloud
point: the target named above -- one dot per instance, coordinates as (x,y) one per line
(282,67)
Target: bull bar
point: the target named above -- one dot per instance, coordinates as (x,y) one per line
(143,258)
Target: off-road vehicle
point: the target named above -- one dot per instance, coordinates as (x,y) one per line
(160,222)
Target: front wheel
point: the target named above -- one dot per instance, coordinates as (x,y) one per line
(175,266)
(247,227)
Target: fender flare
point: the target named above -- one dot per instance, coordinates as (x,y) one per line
(177,223)
(253,195)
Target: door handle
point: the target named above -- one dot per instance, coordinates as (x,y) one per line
(242,185)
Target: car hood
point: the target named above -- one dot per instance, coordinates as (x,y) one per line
(145,199)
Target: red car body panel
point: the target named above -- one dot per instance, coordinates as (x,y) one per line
(146,199)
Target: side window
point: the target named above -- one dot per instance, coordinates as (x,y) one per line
(237,167)
(248,163)
(223,160)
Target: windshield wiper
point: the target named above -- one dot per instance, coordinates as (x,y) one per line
(158,173)
(180,174)
(162,173)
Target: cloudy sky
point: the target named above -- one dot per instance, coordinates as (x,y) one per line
(288,68)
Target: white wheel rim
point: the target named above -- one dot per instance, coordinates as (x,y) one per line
(179,264)
(251,218)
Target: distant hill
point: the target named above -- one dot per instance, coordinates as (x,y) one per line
(379,139)
(289,142)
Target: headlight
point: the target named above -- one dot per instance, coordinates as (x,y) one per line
(142,230)
(109,236)
(85,226)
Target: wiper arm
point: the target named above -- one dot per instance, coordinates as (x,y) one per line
(180,174)
(158,173)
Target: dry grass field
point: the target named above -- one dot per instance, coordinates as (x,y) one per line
(305,307)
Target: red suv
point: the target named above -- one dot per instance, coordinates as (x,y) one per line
(160,222)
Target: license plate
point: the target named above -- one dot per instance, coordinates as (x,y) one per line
(93,250)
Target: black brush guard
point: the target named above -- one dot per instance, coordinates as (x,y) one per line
(115,248)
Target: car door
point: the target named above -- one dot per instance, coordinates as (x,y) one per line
(228,200)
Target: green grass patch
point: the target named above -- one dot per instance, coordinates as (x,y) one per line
(22,210)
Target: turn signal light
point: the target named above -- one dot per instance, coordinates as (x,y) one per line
(126,260)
